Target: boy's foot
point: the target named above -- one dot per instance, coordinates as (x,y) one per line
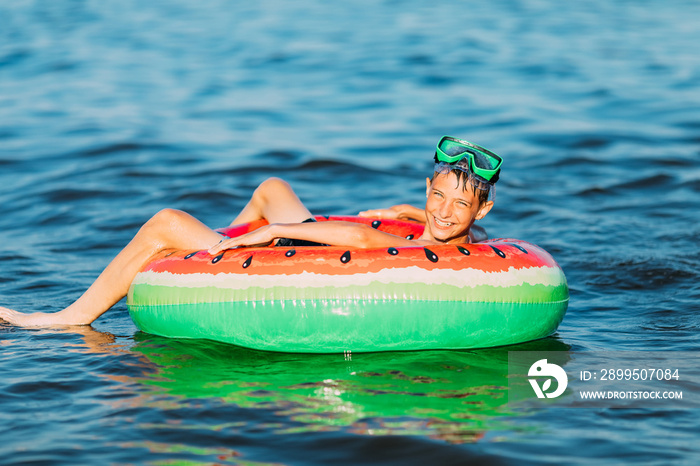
(37,319)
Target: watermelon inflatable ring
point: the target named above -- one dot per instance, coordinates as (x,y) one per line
(330,299)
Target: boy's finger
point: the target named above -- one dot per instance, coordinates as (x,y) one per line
(216,248)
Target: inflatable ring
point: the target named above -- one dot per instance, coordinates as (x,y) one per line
(329,299)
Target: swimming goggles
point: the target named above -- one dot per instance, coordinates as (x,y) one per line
(452,153)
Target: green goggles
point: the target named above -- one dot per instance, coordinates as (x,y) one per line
(469,158)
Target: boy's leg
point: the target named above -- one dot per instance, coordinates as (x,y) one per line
(275,201)
(168,229)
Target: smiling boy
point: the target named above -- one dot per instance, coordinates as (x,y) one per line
(460,192)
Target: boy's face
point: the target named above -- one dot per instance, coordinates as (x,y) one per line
(451,211)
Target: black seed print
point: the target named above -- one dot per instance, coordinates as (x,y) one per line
(247,262)
(519,247)
(290,253)
(499,252)
(393,251)
(409,237)
(191,254)
(217,258)
(376,224)
(463,251)
(345,258)
(430,255)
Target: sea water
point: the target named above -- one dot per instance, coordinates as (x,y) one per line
(111,111)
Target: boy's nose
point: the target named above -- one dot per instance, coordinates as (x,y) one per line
(445,211)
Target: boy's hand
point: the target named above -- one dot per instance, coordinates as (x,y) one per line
(390,213)
(397,212)
(260,237)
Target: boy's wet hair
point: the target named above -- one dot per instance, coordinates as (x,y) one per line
(480,189)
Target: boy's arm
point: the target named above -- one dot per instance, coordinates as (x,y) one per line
(399,212)
(335,233)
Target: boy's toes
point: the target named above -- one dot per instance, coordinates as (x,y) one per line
(7,314)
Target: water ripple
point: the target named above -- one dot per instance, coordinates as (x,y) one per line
(111,111)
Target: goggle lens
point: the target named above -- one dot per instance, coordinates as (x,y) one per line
(451,148)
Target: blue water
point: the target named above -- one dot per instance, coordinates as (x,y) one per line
(111,111)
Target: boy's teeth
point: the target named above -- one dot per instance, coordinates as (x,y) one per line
(444,224)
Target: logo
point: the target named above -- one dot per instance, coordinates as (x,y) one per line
(543,369)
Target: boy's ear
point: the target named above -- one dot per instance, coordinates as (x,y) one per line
(427,186)
(483,210)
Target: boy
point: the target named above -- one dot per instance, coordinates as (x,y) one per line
(457,195)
